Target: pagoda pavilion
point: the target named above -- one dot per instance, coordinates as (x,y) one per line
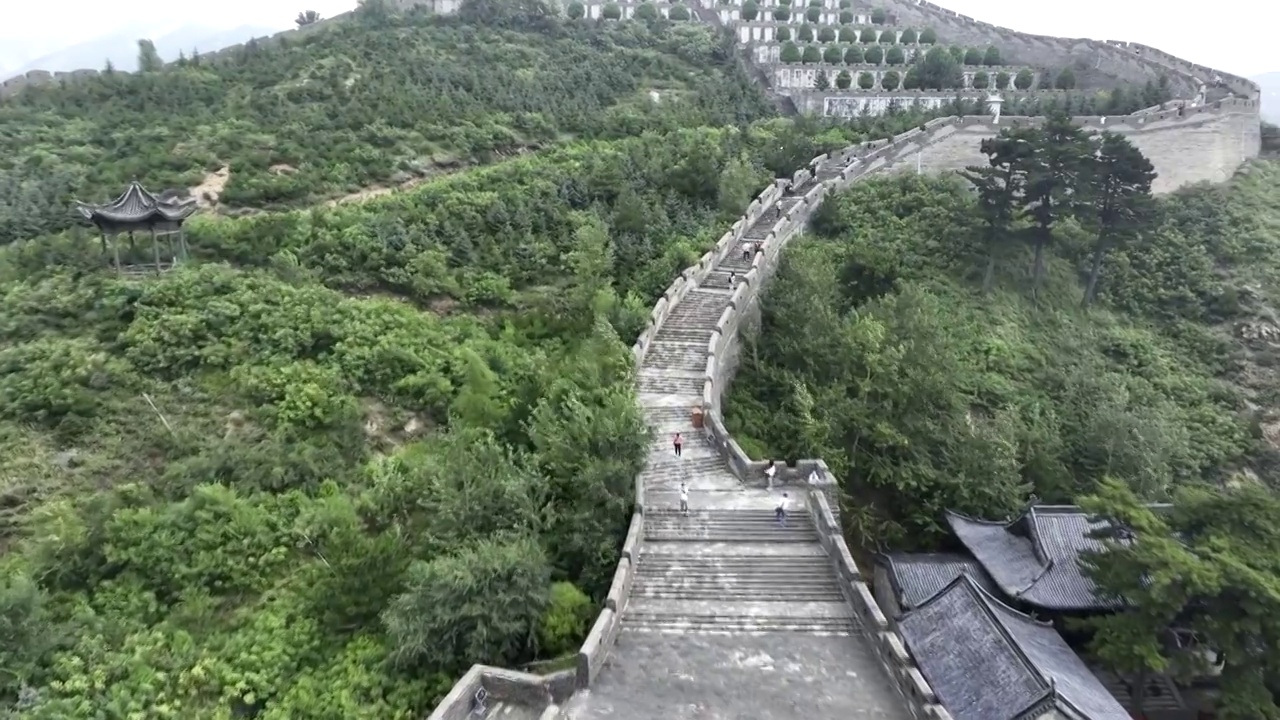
(137,210)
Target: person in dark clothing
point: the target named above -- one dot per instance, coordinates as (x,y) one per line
(677,442)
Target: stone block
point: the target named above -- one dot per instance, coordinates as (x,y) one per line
(631,546)
(847,568)
(595,648)
(619,589)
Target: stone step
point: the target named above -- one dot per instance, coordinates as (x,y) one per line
(690,333)
(797,518)
(664,355)
(735,263)
(737,564)
(705,535)
(641,620)
(673,385)
(668,415)
(764,593)
(681,468)
(696,316)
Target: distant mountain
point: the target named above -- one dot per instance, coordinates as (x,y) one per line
(121,47)
(1270,84)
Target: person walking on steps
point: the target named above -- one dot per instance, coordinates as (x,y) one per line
(747,248)
(769,472)
(733,280)
(780,512)
(677,442)
(684,498)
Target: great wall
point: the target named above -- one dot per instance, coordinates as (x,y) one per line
(723,614)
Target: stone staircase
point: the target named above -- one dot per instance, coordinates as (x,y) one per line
(730,614)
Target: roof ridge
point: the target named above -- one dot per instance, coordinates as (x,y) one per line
(985,600)
(970,518)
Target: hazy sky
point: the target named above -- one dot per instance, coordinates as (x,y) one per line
(1185,30)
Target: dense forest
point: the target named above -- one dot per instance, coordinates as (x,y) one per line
(277,482)
(1042,327)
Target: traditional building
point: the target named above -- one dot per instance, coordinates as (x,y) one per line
(139,210)
(904,581)
(987,661)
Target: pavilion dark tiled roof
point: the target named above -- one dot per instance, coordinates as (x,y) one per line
(987,661)
(1034,558)
(138,206)
(916,577)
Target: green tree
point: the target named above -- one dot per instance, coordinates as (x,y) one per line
(307,17)
(866,80)
(813,14)
(874,55)
(820,81)
(909,37)
(648,11)
(890,80)
(973,56)
(939,70)
(991,57)
(1120,193)
(790,53)
(678,13)
(805,33)
(826,35)
(575,11)
(812,55)
(895,56)
(832,55)
(848,35)
(1002,80)
(846,18)
(1057,169)
(781,14)
(1000,185)
(148,59)
(889,37)
(611,11)
(1023,79)
(853,56)
(784,34)
(928,37)
(958,53)
(980,80)
(879,17)
(844,80)
(868,35)
(1066,80)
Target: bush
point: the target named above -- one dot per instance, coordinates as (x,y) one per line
(813,14)
(815,3)
(957,52)
(678,13)
(991,57)
(784,34)
(848,35)
(928,37)
(1066,80)
(781,14)
(846,17)
(805,34)
(980,80)
(846,4)
(878,16)
(866,81)
(1024,79)
(832,55)
(750,11)
(575,11)
(844,80)
(827,35)
(895,56)
(972,56)
(611,12)
(821,81)
(812,55)
(890,80)
(566,620)
(790,53)
(889,37)
(911,80)
(1002,80)
(784,3)
(874,55)
(908,37)
(853,56)
(868,36)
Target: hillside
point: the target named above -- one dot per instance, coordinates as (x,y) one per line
(353,107)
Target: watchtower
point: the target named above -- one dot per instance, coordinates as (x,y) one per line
(139,210)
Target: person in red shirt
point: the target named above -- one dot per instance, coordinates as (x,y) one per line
(677,441)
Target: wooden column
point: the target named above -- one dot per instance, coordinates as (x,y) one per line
(155,248)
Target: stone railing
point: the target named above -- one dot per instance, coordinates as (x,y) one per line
(488,685)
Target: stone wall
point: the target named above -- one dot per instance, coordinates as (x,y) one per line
(539,692)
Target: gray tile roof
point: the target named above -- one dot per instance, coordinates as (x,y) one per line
(1035,558)
(986,661)
(916,577)
(137,205)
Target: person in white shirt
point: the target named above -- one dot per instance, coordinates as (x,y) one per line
(684,498)
(733,280)
(780,512)
(769,472)
(747,248)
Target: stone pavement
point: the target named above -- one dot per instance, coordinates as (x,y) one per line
(730,616)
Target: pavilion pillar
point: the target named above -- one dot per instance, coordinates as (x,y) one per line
(102,235)
(115,248)
(155,248)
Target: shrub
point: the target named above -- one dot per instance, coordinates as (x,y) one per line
(846,4)
(821,81)
(868,36)
(908,37)
(611,12)
(827,35)
(1002,80)
(972,56)
(805,33)
(980,80)
(957,52)
(813,14)
(790,53)
(889,37)
(891,80)
(874,55)
(848,35)
(1066,80)
(846,17)
(928,37)
(832,55)
(878,16)
(911,80)
(678,13)
(565,621)
(781,14)
(991,57)
(895,56)
(575,11)
(815,3)
(866,81)
(784,34)
(1024,79)
(784,3)
(750,10)
(853,56)
(844,80)
(812,55)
